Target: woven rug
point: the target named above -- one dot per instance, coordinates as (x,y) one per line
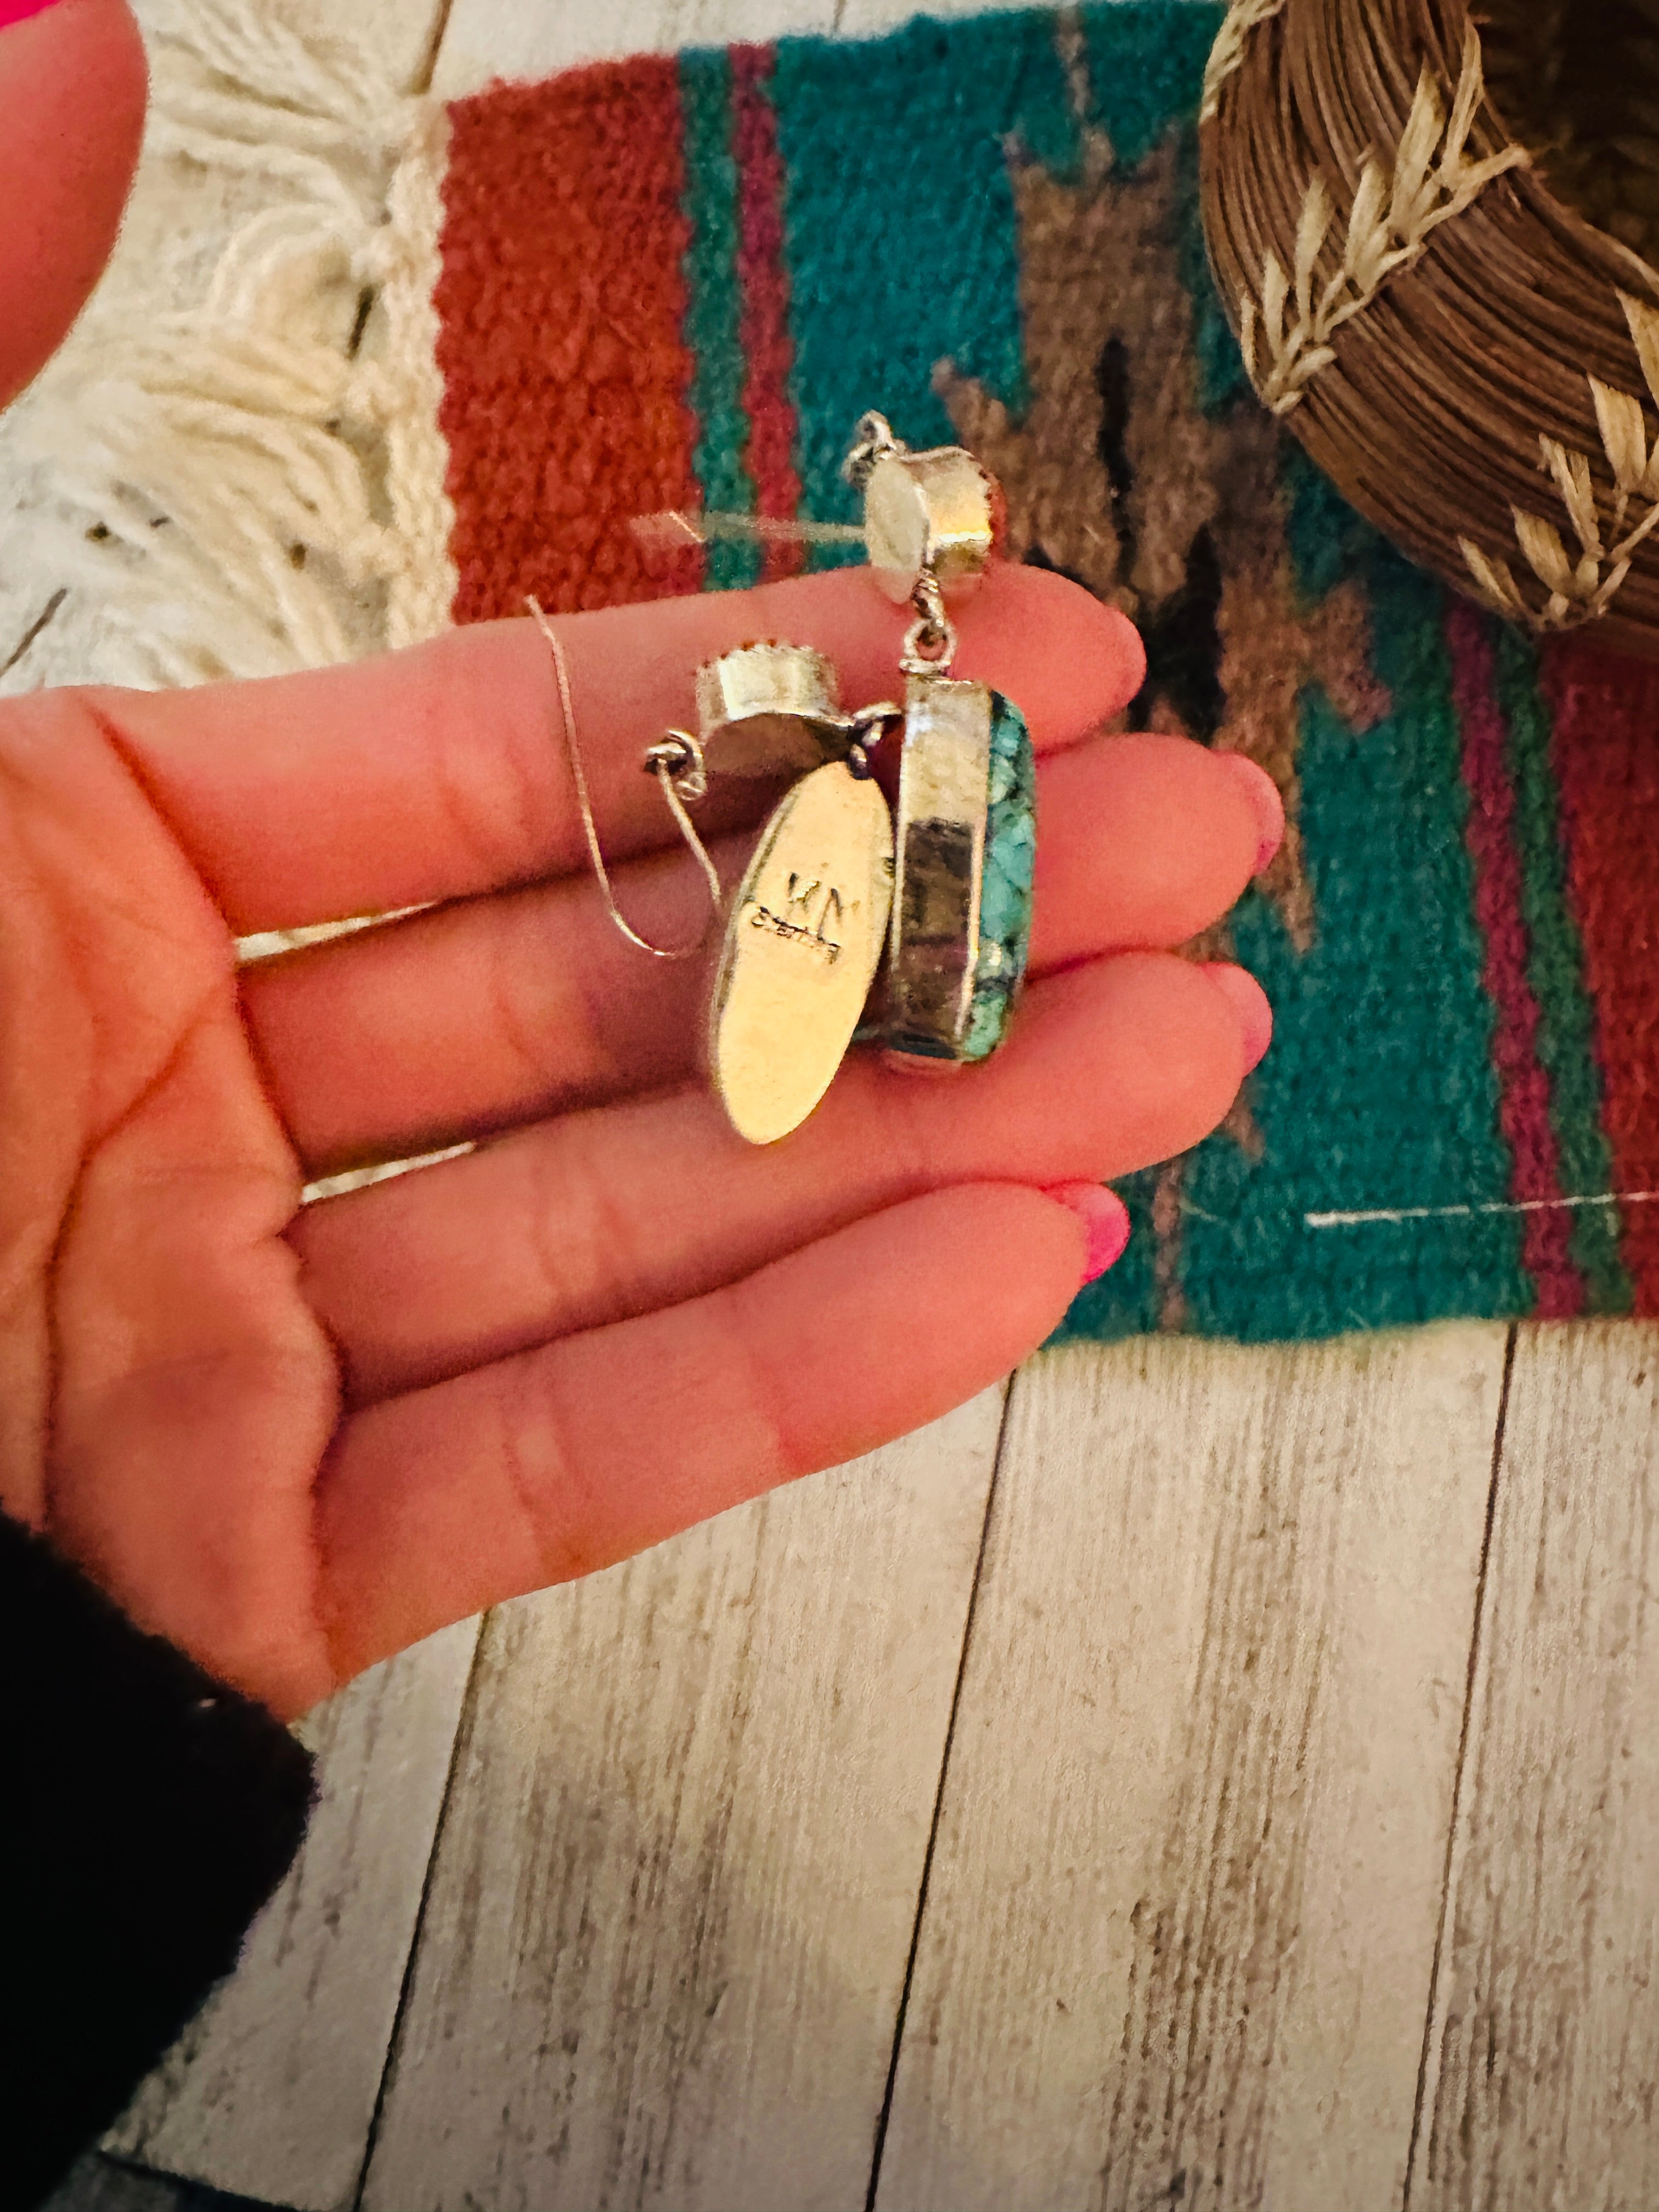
(677,282)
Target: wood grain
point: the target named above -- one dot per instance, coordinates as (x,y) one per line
(868,19)
(677,1884)
(1544,2051)
(487,38)
(271,2089)
(1178,1938)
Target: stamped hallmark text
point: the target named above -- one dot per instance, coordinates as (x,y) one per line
(797,924)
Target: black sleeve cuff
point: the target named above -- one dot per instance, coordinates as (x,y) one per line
(149,1812)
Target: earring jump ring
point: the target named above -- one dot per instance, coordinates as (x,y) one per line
(930,643)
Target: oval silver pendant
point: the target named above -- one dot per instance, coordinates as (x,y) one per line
(806,934)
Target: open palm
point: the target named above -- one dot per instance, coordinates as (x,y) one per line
(294,1439)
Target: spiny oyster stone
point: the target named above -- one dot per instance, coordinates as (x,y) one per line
(1005,913)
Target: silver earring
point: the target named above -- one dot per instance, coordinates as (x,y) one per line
(965,835)
(944,890)
(808,924)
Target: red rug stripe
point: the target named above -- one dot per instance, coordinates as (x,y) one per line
(560,306)
(1547,1237)
(767,349)
(1606,756)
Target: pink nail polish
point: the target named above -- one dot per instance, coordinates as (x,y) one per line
(19,11)
(1251,1005)
(1105,1220)
(1265,804)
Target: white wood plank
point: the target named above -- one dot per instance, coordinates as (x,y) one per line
(676,1888)
(869,19)
(530,38)
(1544,2054)
(271,2090)
(1178,1937)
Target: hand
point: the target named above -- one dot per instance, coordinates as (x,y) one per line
(72,95)
(294,1440)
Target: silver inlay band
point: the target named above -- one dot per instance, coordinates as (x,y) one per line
(939,861)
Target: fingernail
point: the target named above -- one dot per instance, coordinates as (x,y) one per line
(1265,804)
(1251,1005)
(1105,1220)
(19,11)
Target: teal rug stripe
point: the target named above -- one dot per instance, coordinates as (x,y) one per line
(1146,60)
(899,222)
(1349,1122)
(1392,985)
(714,310)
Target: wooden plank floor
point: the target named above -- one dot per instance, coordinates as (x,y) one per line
(1208,1778)
(1192,1848)
(673,1906)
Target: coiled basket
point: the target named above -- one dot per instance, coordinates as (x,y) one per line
(1398,201)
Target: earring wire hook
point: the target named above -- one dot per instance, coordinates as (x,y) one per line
(659,760)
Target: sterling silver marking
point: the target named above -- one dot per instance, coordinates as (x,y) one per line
(807,929)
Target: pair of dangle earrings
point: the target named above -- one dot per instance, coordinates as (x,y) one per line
(941,883)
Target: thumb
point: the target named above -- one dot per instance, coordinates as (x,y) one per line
(72,114)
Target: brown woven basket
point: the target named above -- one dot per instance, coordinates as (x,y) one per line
(1472,360)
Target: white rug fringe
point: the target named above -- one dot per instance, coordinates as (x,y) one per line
(252,490)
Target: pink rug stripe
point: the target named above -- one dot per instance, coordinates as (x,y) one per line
(1525,1107)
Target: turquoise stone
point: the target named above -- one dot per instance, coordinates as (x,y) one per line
(1004,913)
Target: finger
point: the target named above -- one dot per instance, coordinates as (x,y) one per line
(442,773)
(597,1217)
(561,1461)
(501,1011)
(72,93)
(1144,842)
